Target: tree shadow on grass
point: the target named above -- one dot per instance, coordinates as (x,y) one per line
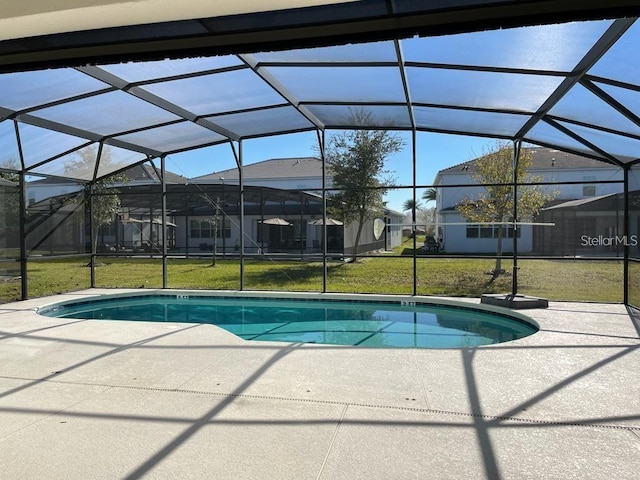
(286,275)
(470,284)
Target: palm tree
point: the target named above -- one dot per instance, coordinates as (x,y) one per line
(411,204)
(429,195)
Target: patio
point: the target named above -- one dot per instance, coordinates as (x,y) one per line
(91,399)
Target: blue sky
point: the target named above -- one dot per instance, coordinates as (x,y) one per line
(434,152)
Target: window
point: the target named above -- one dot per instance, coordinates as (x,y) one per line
(490,231)
(509,233)
(204,228)
(201,229)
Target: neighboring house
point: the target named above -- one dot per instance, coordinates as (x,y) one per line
(302,175)
(590,226)
(283,173)
(143,174)
(550,165)
(285,188)
(56,223)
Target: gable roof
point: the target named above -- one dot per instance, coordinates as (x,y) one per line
(275,169)
(137,173)
(542,158)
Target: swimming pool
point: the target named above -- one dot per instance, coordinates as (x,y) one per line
(366,323)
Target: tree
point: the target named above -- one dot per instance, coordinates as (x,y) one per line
(494,169)
(414,207)
(215,225)
(356,161)
(429,195)
(105,202)
(411,205)
(427,217)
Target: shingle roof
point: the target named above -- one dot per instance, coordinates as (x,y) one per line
(140,172)
(7,183)
(542,158)
(143,172)
(579,202)
(275,168)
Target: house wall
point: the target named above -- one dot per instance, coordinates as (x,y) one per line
(449,197)
(454,236)
(252,228)
(183,240)
(455,239)
(368,242)
(38,192)
(394,233)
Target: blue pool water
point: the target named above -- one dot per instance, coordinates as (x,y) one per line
(357,323)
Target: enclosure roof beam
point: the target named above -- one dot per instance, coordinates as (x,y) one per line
(149,97)
(613,33)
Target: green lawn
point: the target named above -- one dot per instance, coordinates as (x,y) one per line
(554,279)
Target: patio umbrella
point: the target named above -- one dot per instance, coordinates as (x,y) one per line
(331,222)
(275,221)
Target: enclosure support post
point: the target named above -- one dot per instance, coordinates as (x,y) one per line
(413,213)
(163,185)
(241,187)
(187,227)
(303,228)
(92,247)
(22,217)
(514,276)
(24,294)
(321,140)
(626,226)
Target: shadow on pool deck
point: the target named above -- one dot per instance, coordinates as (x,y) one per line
(138,399)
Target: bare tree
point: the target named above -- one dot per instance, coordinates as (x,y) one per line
(106,201)
(494,170)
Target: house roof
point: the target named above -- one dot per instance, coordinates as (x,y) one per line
(137,173)
(579,202)
(7,183)
(145,171)
(274,169)
(609,202)
(542,158)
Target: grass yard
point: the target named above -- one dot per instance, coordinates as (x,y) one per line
(599,281)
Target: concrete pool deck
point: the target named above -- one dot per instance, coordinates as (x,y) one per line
(104,399)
